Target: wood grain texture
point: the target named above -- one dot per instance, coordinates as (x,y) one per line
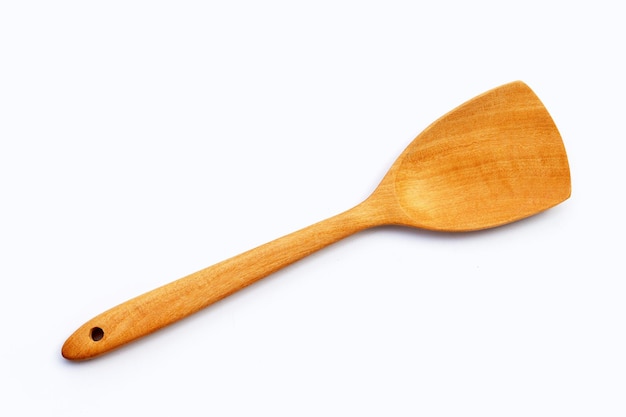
(496,159)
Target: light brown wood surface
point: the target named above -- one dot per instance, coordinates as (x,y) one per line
(496,159)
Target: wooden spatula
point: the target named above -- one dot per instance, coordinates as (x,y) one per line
(496,159)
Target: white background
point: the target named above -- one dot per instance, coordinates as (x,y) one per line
(142,141)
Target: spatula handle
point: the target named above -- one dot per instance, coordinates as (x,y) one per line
(153,310)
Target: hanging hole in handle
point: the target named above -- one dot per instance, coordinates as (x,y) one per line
(96,334)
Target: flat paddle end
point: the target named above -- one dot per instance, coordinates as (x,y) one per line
(495,159)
